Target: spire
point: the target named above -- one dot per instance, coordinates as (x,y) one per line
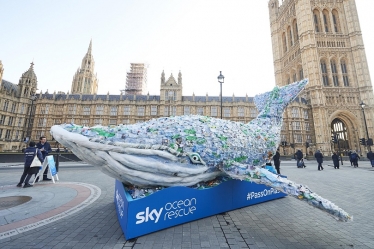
(90,48)
(179,77)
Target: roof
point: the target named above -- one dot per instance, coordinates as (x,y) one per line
(9,86)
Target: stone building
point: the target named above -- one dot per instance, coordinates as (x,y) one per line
(16,110)
(322,40)
(85,80)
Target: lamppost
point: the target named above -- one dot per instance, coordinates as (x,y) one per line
(362,104)
(28,135)
(221,79)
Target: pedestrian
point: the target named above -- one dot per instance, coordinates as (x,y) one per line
(299,156)
(350,158)
(45,149)
(28,171)
(318,155)
(335,160)
(277,161)
(370,156)
(355,157)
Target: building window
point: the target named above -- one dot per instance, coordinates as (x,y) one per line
(140,110)
(307,127)
(200,111)
(6,104)
(2,119)
(317,22)
(226,112)
(301,74)
(335,19)
(170,95)
(186,110)
(325,77)
(39,134)
(17,135)
(334,73)
(113,121)
(86,110)
(290,36)
(240,111)
(253,113)
(299,138)
(326,20)
(44,109)
(294,77)
(13,108)
(296,126)
(22,109)
(20,122)
(99,109)
(213,111)
(57,121)
(284,43)
(113,110)
(98,121)
(344,72)
(42,122)
(10,121)
(295,112)
(153,110)
(308,139)
(85,122)
(126,121)
(296,31)
(139,121)
(7,134)
(72,109)
(1,133)
(306,114)
(126,110)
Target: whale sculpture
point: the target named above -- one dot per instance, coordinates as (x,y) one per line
(186,150)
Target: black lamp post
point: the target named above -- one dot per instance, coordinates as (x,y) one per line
(28,135)
(221,80)
(362,104)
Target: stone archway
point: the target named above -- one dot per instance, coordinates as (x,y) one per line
(346,125)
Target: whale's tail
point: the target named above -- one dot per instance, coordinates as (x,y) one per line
(279,96)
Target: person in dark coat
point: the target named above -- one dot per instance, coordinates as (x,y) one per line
(276,159)
(299,156)
(45,149)
(370,156)
(318,155)
(27,170)
(335,160)
(354,158)
(350,158)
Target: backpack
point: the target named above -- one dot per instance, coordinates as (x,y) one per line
(354,156)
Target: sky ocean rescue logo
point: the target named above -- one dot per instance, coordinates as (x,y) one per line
(173,210)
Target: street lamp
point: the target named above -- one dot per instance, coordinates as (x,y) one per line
(221,79)
(28,135)
(362,104)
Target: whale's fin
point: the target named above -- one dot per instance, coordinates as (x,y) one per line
(261,100)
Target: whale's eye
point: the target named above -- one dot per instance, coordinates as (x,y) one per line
(195,158)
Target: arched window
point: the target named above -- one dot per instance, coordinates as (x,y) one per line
(289,32)
(317,21)
(339,129)
(301,73)
(294,76)
(284,43)
(326,21)
(344,72)
(336,21)
(325,77)
(334,73)
(295,31)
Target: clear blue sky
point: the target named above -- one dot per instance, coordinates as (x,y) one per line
(198,37)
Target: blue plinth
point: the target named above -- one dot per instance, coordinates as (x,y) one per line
(176,205)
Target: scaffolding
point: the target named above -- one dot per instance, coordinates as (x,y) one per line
(136,79)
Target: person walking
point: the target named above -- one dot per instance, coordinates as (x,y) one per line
(355,157)
(45,149)
(318,155)
(299,156)
(370,156)
(350,158)
(335,160)
(28,171)
(276,159)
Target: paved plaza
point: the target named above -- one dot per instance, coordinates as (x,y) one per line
(78,212)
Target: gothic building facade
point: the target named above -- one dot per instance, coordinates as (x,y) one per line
(322,40)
